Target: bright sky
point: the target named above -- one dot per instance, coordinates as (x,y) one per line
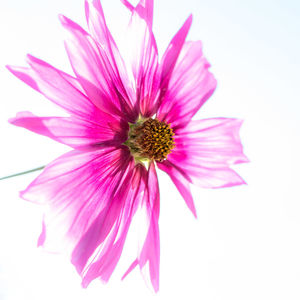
(245,243)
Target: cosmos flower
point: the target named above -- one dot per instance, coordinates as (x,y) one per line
(124,123)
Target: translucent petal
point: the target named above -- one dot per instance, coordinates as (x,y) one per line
(113,225)
(95,73)
(57,86)
(149,255)
(144,9)
(205,149)
(76,189)
(108,49)
(190,86)
(143,55)
(170,57)
(75,132)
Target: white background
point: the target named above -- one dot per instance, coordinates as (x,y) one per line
(246,241)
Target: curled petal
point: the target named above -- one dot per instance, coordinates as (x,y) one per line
(205,149)
(189,87)
(75,132)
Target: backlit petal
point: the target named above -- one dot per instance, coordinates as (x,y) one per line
(149,256)
(128,5)
(76,189)
(109,50)
(144,8)
(57,86)
(170,58)
(120,213)
(205,149)
(92,193)
(95,72)
(75,132)
(143,54)
(190,85)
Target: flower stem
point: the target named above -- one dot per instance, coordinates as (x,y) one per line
(22,173)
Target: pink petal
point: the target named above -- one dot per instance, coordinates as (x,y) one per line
(95,73)
(57,86)
(205,149)
(215,140)
(42,237)
(189,87)
(149,255)
(151,249)
(134,264)
(72,131)
(128,5)
(181,182)
(143,54)
(76,188)
(120,213)
(144,9)
(109,50)
(170,57)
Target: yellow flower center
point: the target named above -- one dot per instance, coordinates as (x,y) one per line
(150,139)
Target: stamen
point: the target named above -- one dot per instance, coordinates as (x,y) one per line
(150,139)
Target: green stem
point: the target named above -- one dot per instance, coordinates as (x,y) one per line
(22,173)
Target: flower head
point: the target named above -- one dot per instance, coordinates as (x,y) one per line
(122,124)
(150,139)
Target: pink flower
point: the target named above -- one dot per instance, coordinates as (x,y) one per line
(122,125)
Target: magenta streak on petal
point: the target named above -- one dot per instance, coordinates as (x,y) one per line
(88,65)
(189,88)
(150,251)
(142,50)
(77,188)
(144,9)
(94,72)
(134,264)
(108,256)
(170,57)
(128,5)
(104,230)
(55,85)
(107,46)
(74,132)
(99,230)
(215,138)
(205,149)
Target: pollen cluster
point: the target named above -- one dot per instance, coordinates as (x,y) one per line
(150,139)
